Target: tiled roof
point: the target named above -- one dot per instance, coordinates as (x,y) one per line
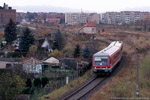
(53,19)
(90,24)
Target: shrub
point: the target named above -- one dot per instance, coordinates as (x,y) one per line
(44,81)
(28,83)
(37,82)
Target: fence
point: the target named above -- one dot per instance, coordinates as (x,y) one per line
(57,79)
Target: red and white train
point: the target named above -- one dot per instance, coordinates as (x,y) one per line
(106,59)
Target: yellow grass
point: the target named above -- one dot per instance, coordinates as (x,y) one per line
(59,92)
(124,83)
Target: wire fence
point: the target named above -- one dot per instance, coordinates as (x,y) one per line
(57,79)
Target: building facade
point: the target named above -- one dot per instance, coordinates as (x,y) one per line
(89,28)
(32,65)
(7,13)
(124,17)
(81,18)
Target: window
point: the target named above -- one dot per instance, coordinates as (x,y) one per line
(117,54)
(8,65)
(101,61)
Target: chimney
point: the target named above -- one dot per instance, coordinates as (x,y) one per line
(4,5)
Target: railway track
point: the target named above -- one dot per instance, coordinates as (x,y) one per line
(92,85)
(85,89)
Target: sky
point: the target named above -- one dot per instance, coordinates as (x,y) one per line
(77,5)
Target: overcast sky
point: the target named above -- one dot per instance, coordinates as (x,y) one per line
(77,5)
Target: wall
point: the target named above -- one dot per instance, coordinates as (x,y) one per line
(3,64)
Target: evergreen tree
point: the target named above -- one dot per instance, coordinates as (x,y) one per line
(77,51)
(26,41)
(28,82)
(37,82)
(44,81)
(86,52)
(10,32)
(58,41)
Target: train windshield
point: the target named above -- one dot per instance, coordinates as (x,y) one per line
(101,61)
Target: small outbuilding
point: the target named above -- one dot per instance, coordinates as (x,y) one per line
(89,28)
(32,65)
(52,61)
(6,63)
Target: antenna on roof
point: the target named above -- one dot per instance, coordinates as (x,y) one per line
(81,10)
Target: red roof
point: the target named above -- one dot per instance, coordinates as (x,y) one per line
(53,19)
(31,58)
(90,24)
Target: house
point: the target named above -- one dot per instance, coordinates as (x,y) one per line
(6,63)
(89,28)
(46,45)
(51,61)
(53,20)
(32,65)
(16,42)
(69,63)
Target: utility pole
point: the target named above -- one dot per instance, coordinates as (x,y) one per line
(137,83)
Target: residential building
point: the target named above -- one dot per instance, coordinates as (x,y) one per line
(7,13)
(81,18)
(123,17)
(76,18)
(53,21)
(6,63)
(69,63)
(32,65)
(94,17)
(88,28)
(52,61)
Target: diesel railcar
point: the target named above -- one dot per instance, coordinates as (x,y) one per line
(105,60)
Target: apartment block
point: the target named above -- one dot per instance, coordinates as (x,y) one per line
(7,13)
(124,17)
(81,18)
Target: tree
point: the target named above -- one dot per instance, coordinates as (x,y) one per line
(26,41)
(86,52)
(10,86)
(10,32)
(33,50)
(58,41)
(77,51)
(44,81)
(56,53)
(28,82)
(37,82)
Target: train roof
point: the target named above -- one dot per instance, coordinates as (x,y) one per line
(113,47)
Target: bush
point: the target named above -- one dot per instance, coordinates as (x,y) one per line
(28,83)
(37,82)
(44,81)
(26,91)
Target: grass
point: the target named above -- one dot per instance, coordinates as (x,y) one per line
(54,95)
(124,83)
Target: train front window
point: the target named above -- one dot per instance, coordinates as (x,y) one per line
(101,61)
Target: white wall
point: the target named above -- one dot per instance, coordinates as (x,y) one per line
(3,64)
(88,30)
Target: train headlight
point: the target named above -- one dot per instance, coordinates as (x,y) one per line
(95,67)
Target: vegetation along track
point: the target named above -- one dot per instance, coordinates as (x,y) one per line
(84,91)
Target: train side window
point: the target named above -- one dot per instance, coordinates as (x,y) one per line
(121,48)
(110,60)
